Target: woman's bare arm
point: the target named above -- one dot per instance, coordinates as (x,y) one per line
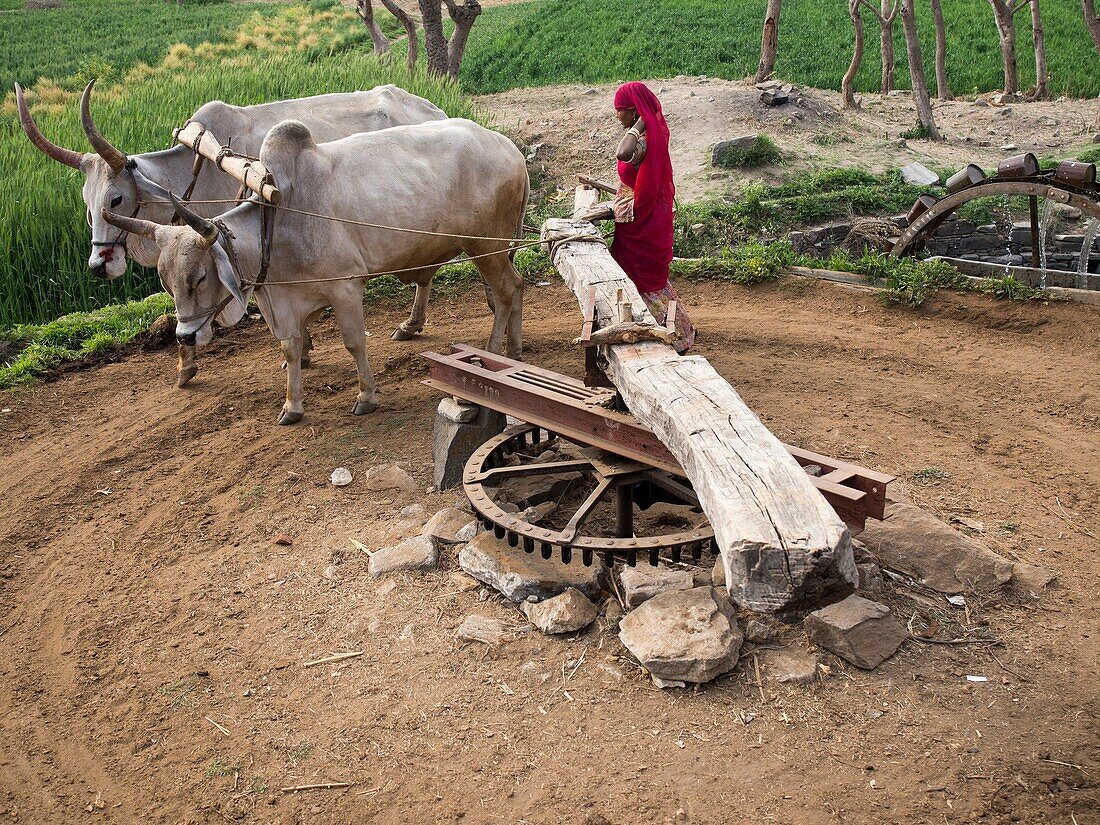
(629,144)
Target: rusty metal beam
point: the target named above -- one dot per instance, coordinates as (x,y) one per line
(567,407)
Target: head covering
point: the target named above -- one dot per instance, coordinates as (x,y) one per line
(654,182)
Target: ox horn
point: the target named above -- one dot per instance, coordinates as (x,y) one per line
(58,153)
(197,222)
(115,159)
(135,226)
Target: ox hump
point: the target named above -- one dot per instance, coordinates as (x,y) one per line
(287,138)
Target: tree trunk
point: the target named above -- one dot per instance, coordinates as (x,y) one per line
(886,43)
(381,42)
(1042,78)
(410,31)
(463,17)
(943,90)
(769,41)
(435,44)
(857,57)
(916,71)
(1092,20)
(1006,31)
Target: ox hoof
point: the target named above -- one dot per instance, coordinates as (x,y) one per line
(402,334)
(286,418)
(364,407)
(185,375)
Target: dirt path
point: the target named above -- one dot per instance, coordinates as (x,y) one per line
(576,126)
(142,593)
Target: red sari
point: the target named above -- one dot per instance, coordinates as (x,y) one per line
(643,246)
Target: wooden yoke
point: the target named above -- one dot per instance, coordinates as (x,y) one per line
(781,542)
(250,173)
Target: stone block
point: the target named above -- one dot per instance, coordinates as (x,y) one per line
(791,665)
(643,582)
(859,630)
(919,175)
(565,613)
(417,553)
(519,575)
(916,544)
(683,636)
(454,440)
(738,144)
(445,525)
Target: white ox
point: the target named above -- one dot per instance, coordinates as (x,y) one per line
(451,177)
(126,185)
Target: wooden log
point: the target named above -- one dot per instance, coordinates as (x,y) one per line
(781,542)
(251,173)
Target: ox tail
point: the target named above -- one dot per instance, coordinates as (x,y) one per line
(522,214)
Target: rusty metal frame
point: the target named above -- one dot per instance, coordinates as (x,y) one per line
(566,407)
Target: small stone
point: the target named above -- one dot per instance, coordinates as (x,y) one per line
(613,611)
(341,477)
(329,572)
(981,102)
(1096,137)
(531,490)
(467,532)
(518,575)
(683,635)
(919,175)
(718,573)
(445,525)
(417,553)
(412,511)
(389,477)
(283,539)
(644,582)
(565,613)
(858,630)
(590,92)
(916,544)
(462,582)
(870,579)
(790,665)
(664,684)
(1005,112)
(1031,577)
(737,144)
(774,97)
(758,633)
(1008,147)
(485,629)
(535,514)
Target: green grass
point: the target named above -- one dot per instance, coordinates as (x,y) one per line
(37,350)
(593,41)
(762,152)
(1090,155)
(43,233)
(106,37)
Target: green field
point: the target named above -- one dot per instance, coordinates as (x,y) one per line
(43,234)
(593,41)
(104,37)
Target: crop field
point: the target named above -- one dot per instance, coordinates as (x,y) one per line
(592,41)
(87,37)
(43,234)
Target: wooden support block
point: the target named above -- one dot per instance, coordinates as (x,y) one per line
(250,173)
(781,542)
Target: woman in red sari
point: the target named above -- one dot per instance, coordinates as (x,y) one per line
(643,205)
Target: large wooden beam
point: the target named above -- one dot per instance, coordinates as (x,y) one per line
(781,542)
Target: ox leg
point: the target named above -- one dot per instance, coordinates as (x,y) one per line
(506,288)
(294,406)
(409,329)
(186,368)
(353,329)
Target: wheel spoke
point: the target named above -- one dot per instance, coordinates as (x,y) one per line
(585,510)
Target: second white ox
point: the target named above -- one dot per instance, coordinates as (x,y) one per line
(451,177)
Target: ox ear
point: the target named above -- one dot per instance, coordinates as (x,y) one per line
(227,277)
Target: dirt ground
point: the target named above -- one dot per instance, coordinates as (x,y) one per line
(577,130)
(153,634)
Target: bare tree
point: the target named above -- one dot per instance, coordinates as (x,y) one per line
(410,31)
(886,14)
(1004,13)
(1042,77)
(916,72)
(1092,20)
(366,12)
(857,56)
(445,56)
(769,41)
(943,90)
(463,17)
